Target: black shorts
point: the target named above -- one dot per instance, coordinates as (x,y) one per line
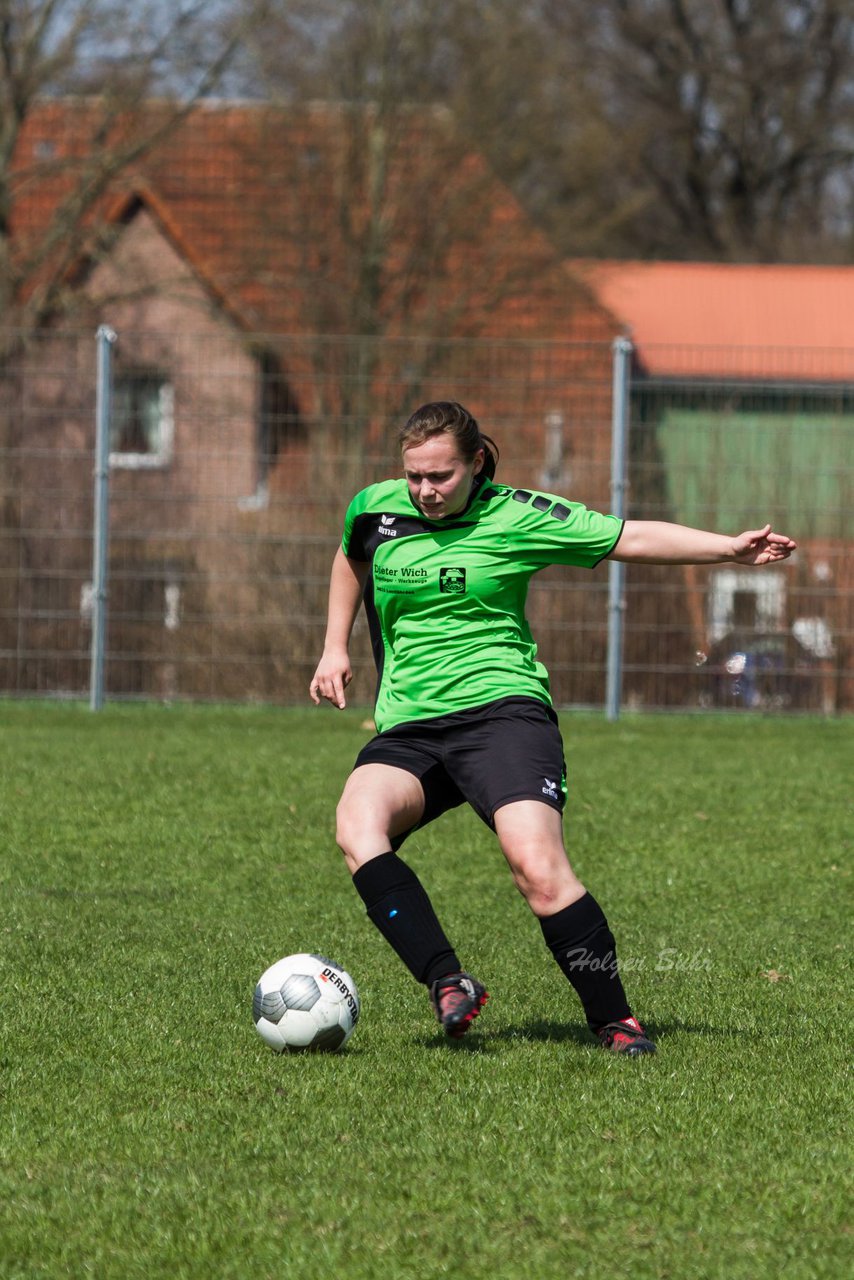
(488,756)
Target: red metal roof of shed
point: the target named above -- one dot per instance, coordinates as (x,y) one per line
(694,319)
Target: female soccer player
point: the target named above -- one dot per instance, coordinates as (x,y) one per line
(442,559)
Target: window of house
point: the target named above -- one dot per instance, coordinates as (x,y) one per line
(744,600)
(279,428)
(143,596)
(555,475)
(142,422)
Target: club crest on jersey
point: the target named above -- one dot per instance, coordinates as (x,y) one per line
(453,581)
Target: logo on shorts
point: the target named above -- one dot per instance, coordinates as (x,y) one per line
(550,789)
(453,580)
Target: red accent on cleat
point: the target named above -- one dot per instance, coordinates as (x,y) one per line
(457,1000)
(627,1036)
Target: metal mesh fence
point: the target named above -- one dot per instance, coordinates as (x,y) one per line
(231,464)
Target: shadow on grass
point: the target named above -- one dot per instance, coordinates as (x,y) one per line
(484,1040)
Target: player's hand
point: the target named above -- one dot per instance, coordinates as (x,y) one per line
(762,546)
(331,678)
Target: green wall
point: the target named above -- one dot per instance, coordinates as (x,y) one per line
(728,470)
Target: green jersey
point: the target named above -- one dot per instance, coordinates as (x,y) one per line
(446,598)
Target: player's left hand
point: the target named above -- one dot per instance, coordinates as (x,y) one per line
(762,546)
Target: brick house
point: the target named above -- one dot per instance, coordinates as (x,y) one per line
(246,402)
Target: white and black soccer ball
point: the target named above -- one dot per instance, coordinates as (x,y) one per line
(305,1002)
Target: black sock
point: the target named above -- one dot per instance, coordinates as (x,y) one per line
(398,905)
(583,945)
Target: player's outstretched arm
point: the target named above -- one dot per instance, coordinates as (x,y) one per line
(334,673)
(656,542)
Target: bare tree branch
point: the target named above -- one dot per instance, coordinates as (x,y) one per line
(44,46)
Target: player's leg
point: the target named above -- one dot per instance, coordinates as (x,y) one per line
(510,767)
(379,802)
(574,926)
(379,805)
(531,837)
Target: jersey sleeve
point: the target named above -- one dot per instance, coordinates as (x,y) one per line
(552,530)
(351,543)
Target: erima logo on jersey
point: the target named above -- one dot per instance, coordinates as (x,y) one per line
(453,581)
(385,527)
(387,519)
(550,789)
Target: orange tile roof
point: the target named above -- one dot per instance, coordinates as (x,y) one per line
(251,196)
(694,319)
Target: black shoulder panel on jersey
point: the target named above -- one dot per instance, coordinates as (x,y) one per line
(372,528)
(541,502)
(559,511)
(521,495)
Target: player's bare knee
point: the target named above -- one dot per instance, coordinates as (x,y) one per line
(547,888)
(543,898)
(347,826)
(357,833)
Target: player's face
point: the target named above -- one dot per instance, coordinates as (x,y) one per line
(439,479)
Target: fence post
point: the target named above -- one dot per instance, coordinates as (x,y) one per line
(622,349)
(105,338)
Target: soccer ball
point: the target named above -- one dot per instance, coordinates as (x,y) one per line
(305,1002)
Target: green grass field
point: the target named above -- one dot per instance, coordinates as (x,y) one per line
(155,860)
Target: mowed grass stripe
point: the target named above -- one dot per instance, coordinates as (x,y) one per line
(155,859)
